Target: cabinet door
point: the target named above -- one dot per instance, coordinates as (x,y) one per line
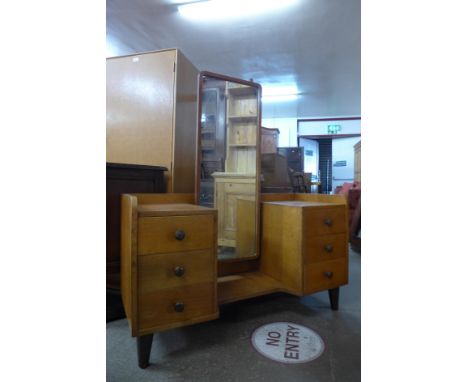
(227,195)
(140,104)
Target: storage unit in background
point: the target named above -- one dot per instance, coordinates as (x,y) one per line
(270,139)
(151,114)
(295,157)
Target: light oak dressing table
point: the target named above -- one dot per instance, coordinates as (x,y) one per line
(179,263)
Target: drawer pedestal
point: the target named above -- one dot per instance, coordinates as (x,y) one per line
(169,265)
(311,254)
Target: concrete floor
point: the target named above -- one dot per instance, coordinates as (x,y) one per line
(221,350)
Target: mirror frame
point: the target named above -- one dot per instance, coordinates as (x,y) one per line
(241,264)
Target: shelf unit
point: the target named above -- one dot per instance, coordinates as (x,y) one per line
(235,187)
(242,125)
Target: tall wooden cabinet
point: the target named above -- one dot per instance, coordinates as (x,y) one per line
(151,114)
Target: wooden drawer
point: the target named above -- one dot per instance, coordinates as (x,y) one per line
(325,247)
(239,188)
(158,234)
(324,221)
(157,309)
(325,275)
(172,270)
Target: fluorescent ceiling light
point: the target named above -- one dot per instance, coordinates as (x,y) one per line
(278,90)
(284,98)
(222,9)
(279,93)
(111,51)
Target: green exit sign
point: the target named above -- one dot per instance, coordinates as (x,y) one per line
(334,129)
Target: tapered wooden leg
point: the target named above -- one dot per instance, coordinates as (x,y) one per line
(144,350)
(334,295)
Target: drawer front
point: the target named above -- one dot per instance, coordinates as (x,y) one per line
(160,308)
(325,275)
(175,234)
(324,221)
(172,270)
(325,247)
(240,188)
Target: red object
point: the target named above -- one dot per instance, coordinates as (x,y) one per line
(346,187)
(354,196)
(352,191)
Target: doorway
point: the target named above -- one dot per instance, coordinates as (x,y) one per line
(330,159)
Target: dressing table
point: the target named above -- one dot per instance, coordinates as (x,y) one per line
(183,255)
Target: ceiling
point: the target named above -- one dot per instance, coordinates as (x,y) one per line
(312,43)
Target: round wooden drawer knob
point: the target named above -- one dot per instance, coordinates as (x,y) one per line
(179,306)
(179,271)
(328,275)
(328,222)
(180,234)
(329,248)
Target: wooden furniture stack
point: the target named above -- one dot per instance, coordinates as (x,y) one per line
(270,139)
(151,114)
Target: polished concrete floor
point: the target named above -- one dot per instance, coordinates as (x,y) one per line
(221,350)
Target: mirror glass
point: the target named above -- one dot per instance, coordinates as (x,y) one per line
(228,146)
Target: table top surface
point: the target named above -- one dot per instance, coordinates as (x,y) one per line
(299,203)
(166,209)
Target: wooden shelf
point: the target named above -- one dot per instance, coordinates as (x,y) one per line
(242,145)
(243,91)
(246,285)
(243,118)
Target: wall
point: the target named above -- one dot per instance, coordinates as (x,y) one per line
(321,127)
(287,128)
(343,150)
